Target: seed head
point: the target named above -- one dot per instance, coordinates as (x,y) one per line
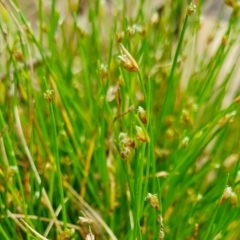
(126,145)
(229,194)
(142,115)
(11,171)
(153,200)
(48,95)
(125,152)
(191,9)
(103,72)
(184,142)
(135,28)
(170,133)
(119,36)
(226,194)
(126,141)
(141,135)
(127,61)
(229,117)
(186,117)
(131,31)
(66,234)
(161,229)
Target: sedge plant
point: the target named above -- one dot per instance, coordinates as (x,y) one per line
(119,121)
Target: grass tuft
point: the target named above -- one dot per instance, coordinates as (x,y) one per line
(119,120)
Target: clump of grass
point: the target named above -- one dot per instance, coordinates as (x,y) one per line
(122,119)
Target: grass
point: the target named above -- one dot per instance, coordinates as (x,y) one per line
(137,140)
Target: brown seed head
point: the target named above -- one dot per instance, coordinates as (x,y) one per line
(153,200)
(127,61)
(142,115)
(141,135)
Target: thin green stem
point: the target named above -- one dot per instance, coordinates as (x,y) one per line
(170,80)
(139,158)
(57,161)
(214,214)
(143,88)
(12,158)
(4,234)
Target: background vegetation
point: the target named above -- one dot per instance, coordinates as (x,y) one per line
(118,113)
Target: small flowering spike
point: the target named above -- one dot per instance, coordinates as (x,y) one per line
(127,61)
(48,95)
(125,152)
(11,171)
(184,142)
(170,133)
(226,194)
(229,194)
(161,230)
(229,117)
(195,233)
(126,141)
(66,234)
(141,135)
(142,115)
(119,36)
(191,9)
(131,31)
(126,145)
(139,29)
(153,200)
(103,72)
(186,117)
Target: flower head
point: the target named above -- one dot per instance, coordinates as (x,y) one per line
(126,144)
(141,135)
(127,61)
(191,9)
(229,194)
(66,234)
(48,95)
(103,71)
(142,115)
(153,200)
